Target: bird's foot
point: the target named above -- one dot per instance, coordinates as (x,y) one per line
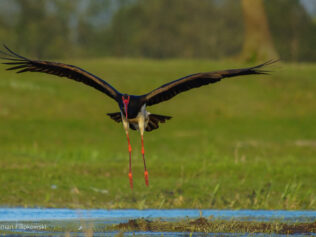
(146,178)
(130,176)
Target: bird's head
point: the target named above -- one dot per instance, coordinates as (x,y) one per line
(125,97)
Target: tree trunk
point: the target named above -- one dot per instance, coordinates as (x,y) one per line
(258,43)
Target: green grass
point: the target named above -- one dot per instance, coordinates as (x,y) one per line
(242,143)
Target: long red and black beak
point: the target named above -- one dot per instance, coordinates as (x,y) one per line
(126,102)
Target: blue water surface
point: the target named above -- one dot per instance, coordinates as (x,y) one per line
(28,221)
(40,214)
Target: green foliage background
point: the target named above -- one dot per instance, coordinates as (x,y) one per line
(155,29)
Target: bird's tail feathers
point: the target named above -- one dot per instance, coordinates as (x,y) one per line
(153,123)
(154,120)
(117,117)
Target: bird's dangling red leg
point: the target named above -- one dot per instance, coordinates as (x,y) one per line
(126,127)
(130,175)
(145,169)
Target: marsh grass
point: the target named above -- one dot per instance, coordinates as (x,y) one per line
(216,226)
(245,143)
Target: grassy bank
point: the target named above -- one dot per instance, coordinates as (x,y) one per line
(203,225)
(242,143)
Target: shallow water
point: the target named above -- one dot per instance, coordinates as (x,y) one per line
(42,221)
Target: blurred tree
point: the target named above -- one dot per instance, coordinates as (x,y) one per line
(158,28)
(91,25)
(42,27)
(178,28)
(293,30)
(258,44)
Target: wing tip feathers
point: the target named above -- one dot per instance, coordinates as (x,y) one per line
(9,54)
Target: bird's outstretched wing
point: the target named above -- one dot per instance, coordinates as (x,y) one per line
(22,64)
(171,89)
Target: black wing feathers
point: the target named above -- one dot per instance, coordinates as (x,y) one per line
(22,64)
(169,90)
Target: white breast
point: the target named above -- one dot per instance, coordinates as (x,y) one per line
(141,120)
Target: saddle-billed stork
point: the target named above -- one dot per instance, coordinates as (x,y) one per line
(133,113)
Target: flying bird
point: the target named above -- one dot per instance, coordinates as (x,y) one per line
(132,108)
